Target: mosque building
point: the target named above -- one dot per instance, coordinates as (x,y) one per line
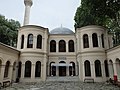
(87,53)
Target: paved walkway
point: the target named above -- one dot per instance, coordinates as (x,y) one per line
(62,86)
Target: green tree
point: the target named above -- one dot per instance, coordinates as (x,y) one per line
(8,31)
(100,12)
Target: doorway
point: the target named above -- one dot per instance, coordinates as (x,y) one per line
(62,69)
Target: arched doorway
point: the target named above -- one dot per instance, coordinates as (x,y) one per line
(52,69)
(118,67)
(72,69)
(98,71)
(38,69)
(106,68)
(28,69)
(19,69)
(111,69)
(87,68)
(62,69)
(6,72)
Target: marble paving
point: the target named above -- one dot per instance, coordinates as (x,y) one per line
(62,86)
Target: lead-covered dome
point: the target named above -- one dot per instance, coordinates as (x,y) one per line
(61,30)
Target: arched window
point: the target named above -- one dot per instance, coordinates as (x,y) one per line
(106,68)
(30,41)
(62,46)
(72,69)
(52,46)
(85,41)
(71,46)
(87,68)
(52,69)
(95,40)
(98,68)
(38,69)
(39,41)
(0,66)
(102,38)
(19,69)
(22,41)
(28,69)
(7,66)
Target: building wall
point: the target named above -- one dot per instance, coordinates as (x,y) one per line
(33,54)
(91,53)
(79,56)
(12,55)
(113,57)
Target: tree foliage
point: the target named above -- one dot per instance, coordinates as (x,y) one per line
(100,12)
(8,31)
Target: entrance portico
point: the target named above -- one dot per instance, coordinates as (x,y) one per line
(62,69)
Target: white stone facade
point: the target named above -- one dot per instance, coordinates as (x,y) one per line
(40,54)
(35,62)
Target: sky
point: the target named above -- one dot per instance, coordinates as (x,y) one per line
(46,13)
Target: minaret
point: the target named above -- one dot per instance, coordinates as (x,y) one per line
(28,4)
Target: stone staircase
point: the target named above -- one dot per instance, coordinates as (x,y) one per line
(65,78)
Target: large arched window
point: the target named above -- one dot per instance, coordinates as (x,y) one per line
(85,41)
(52,69)
(30,41)
(95,40)
(22,41)
(102,38)
(52,46)
(62,46)
(28,69)
(106,68)
(87,68)
(71,46)
(0,66)
(38,69)
(98,68)
(72,69)
(7,66)
(39,41)
(19,69)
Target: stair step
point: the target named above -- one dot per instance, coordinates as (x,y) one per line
(69,78)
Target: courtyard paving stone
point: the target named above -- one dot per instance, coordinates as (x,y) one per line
(62,86)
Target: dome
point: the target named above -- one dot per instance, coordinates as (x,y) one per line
(61,30)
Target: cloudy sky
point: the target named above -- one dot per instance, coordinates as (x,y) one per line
(47,13)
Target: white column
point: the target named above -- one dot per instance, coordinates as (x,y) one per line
(35,42)
(57,47)
(90,42)
(25,42)
(10,72)
(19,41)
(99,41)
(67,46)
(67,70)
(76,69)
(43,67)
(2,72)
(57,69)
(111,70)
(22,71)
(93,70)
(115,70)
(103,71)
(33,71)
